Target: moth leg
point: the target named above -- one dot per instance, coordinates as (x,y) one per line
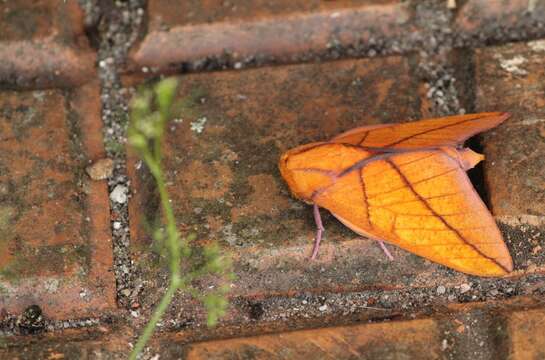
(319,230)
(385,249)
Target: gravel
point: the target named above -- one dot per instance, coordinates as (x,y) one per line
(118,24)
(119,196)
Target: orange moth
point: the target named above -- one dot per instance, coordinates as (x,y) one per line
(405,184)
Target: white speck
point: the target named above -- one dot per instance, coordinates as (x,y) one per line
(117,225)
(323,308)
(441,290)
(134,314)
(119,194)
(304,302)
(532,121)
(444,344)
(229,235)
(198,125)
(178,120)
(84,294)
(537,45)
(241,97)
(238,65)
(39,95)
(335,15)
(52,285)
(512,65)
(145,69)
(155,357)
(465,288)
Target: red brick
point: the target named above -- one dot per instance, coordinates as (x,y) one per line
(417,339)
(476,16)
(225,184)
(56,242)
(243,29)
(94,343)
(43,44)
(510,78)
(527,339)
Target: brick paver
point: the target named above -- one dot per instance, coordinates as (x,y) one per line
(217,34)
(222,168)
(510,78)
(94,343)
(43,44)
(55,245)
(479,330)
(253,31)
(527,340)
(418,339)
(486,16)
(225,184)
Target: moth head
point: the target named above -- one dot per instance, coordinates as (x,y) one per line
(311,168)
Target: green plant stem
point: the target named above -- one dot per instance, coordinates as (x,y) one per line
(173,244)
(155,318)
(172,233)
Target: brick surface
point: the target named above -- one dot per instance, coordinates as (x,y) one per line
(43,44)
(258,30)
(94,343)
(527,340)
(222,159)
(417,339)
(225,184)
(510,78)
(55,243)
(487,17)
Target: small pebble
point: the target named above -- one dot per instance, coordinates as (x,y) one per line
(101,169)
(323,308)
(441,290)
(119,194)
(465,288)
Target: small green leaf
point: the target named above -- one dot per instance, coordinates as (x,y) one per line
(165,91)
(137,140)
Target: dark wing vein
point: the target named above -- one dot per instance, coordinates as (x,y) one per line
(363,138)
(364,193)
(427,131)
(440,217)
